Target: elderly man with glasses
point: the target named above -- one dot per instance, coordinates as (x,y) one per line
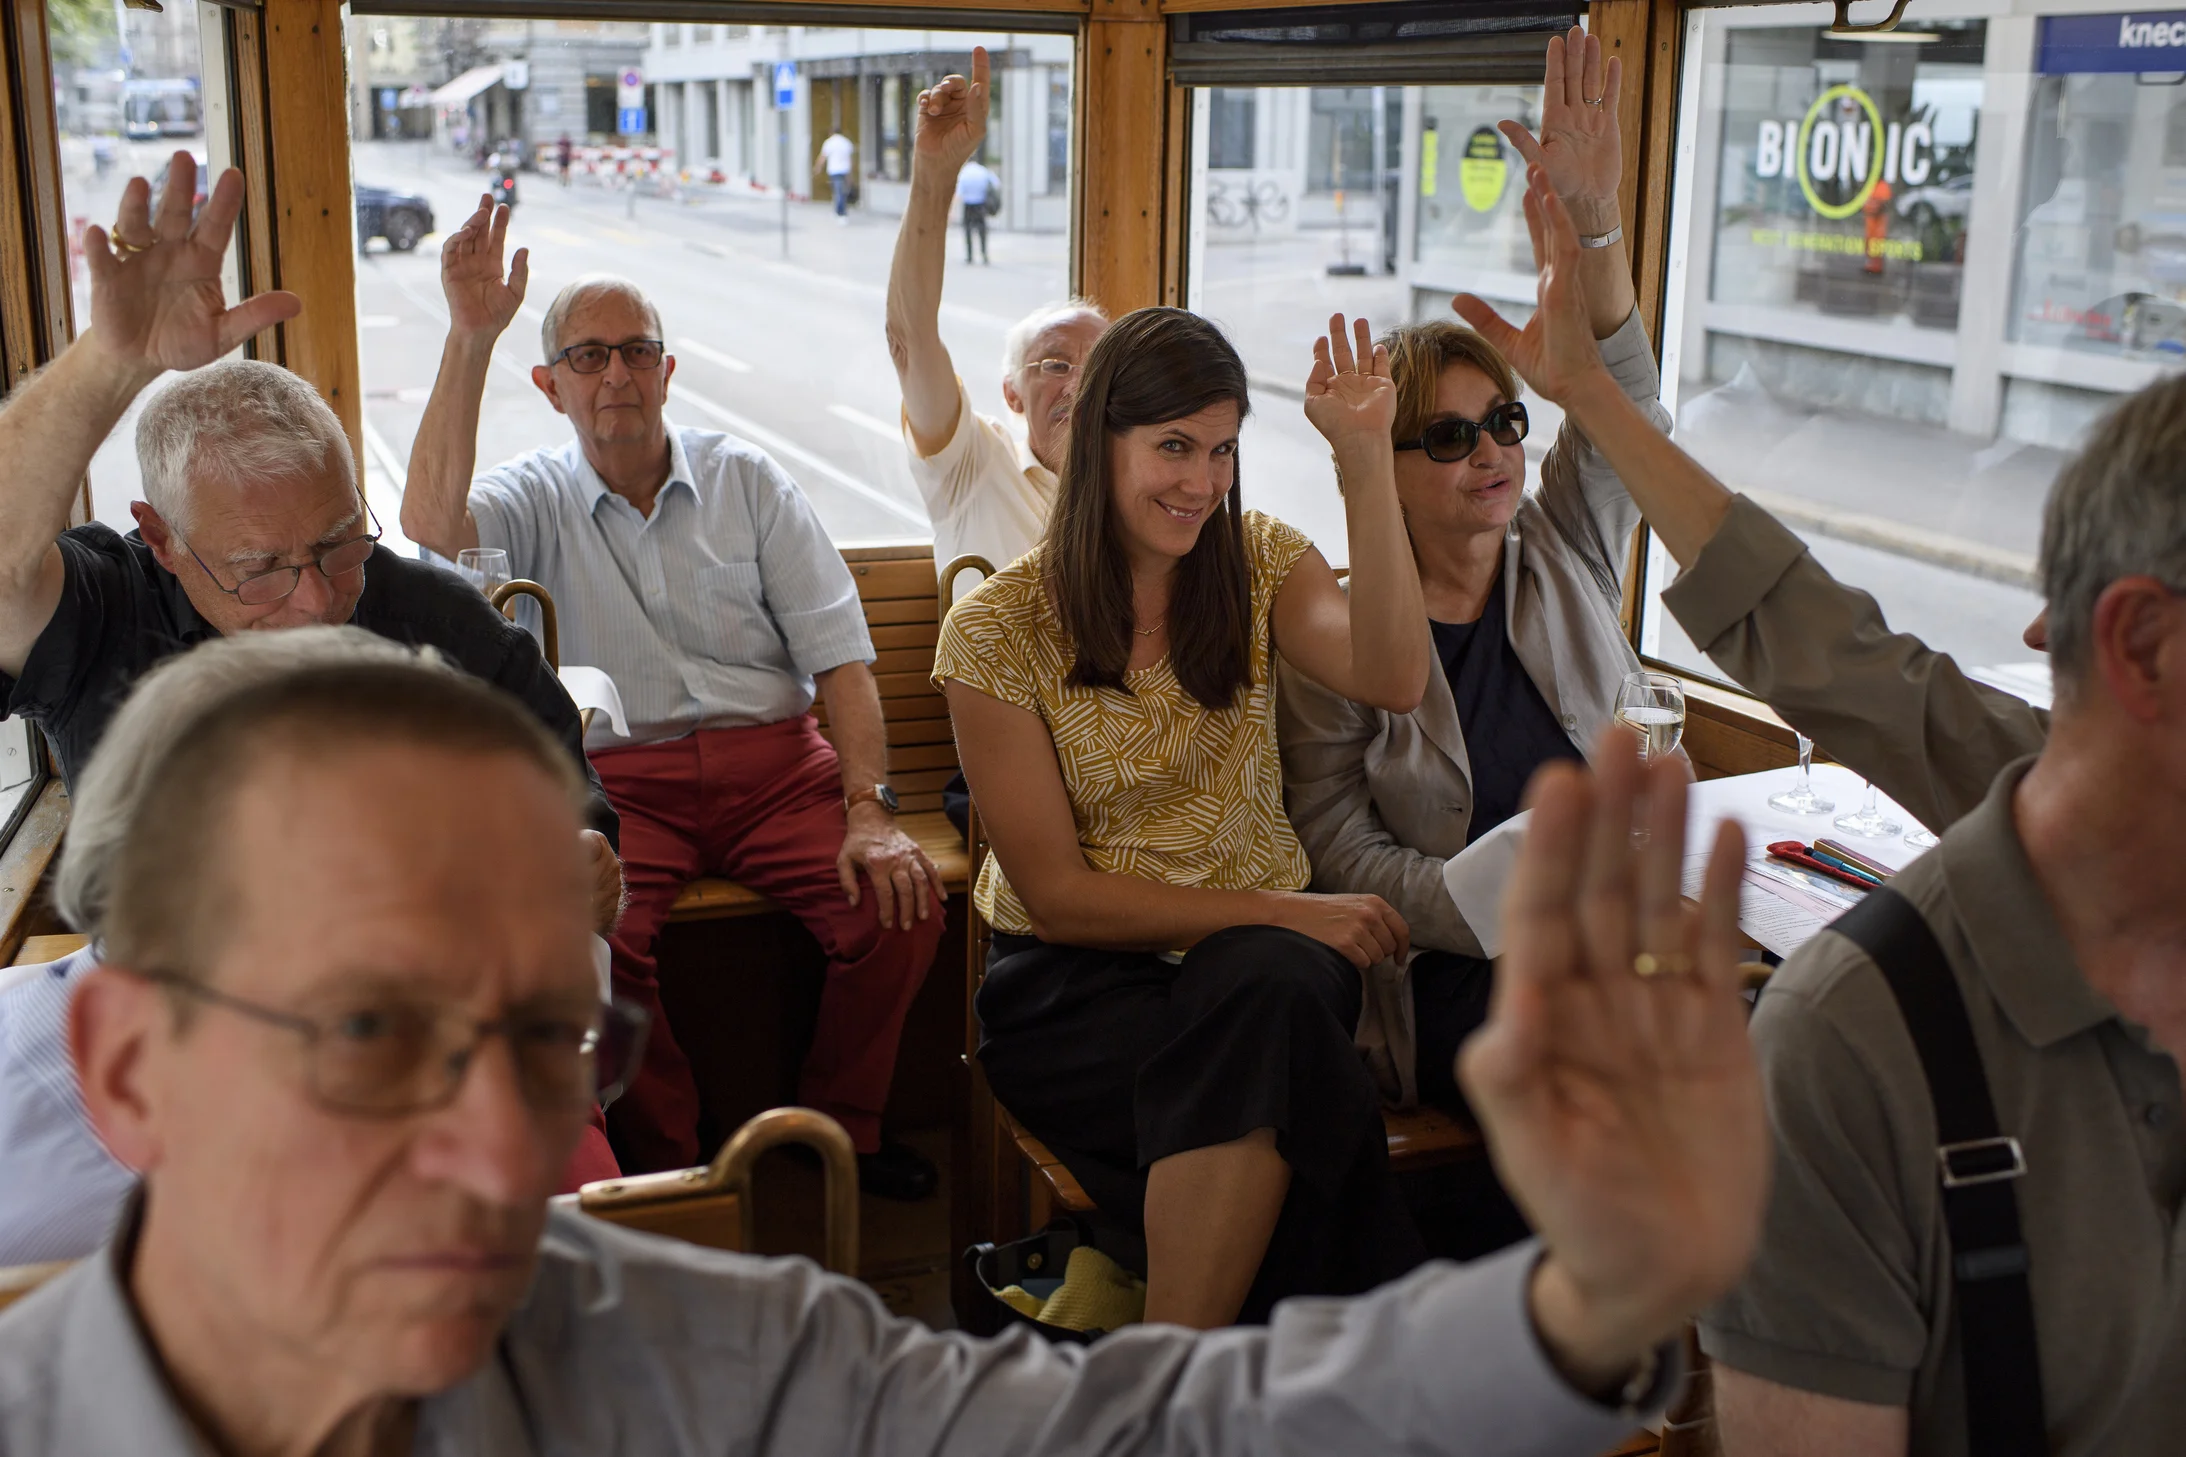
(689,567)
(345,1069)
(252,520)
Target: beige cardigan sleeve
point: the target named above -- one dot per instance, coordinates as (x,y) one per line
(1882,703)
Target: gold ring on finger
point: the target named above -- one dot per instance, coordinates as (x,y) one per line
(124,247)
(1667,963)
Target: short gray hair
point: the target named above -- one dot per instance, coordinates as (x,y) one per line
(1017,343)
(110,792)
(2118,510)
(550,328)
(239,419)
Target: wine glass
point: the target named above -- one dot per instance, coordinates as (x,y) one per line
(484,567)
(1801,798)
(1652,705)
(1869,821)
(1920,837)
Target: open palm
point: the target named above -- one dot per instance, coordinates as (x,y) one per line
(1556,349)
(479,298)
(1579,146)
(952,116)
(1624,1110)
(157,298)
(1349,392)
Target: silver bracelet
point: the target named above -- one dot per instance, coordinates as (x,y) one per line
(1603,240)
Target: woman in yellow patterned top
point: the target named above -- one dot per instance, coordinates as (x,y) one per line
(1165,1006)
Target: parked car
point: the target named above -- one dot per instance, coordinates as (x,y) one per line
(402,218)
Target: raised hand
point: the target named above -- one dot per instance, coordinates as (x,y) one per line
(1349,395)
(156,300)
(1580,147)
(1614,1078)
(480,300)
(952,117)
(1555,352)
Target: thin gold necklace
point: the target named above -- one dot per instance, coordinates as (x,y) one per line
(1150,631)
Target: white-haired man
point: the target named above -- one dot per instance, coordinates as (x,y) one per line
(689,566)
(60,1189)
(348,1066)
(252,519)
(986,494)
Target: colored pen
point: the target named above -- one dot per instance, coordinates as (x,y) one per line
(1830,858)
(1846,852)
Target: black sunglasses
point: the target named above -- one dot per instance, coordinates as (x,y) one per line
(1452,439)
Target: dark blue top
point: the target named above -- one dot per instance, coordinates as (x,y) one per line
(1510,731)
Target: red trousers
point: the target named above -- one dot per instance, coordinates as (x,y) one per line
(763,806)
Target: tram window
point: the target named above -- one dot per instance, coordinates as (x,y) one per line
(131,88)
(22,768)
(772,310)
(1908,272)
(1309,201)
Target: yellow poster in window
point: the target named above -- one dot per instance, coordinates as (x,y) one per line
(1430,151)
(1483,174)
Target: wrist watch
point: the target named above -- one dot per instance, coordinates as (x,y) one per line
(880,794)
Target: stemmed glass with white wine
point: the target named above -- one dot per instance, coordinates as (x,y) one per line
(1652,705)
(484,567)
(1802,798)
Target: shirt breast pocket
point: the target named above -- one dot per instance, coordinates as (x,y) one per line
(729,613)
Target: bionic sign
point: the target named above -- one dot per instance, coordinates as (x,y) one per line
(1841,149)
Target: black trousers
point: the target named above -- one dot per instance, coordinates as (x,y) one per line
(1473,1215)
(975,225)
(1118,1059)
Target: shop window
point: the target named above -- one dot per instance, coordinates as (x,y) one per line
(1230,126)
(1907,273)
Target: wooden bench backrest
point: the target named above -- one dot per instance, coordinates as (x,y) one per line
(903,613)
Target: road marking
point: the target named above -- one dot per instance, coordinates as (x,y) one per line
(628,239)
(383,456)
(864,421)
(759,434)
(377,321)
(438,311)
(563,235)
(708,352)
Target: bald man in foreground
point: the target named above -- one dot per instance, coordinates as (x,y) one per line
(348,1067)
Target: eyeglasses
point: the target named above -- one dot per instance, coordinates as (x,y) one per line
(1452,439)
(1052,368)
(263,588)
(592,358)
(388,1057)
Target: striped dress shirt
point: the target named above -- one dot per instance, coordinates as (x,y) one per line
(60,1190)
(714,612)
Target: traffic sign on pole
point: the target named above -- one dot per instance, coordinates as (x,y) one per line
(630,88)
(785,85)
(630,121)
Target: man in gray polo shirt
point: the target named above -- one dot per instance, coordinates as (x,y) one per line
(2060,906)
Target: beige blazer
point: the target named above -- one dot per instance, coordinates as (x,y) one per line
(1882,703)
(1380,800)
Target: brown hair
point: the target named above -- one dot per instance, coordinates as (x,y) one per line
(1151,367)
(166,896)
(1418,353)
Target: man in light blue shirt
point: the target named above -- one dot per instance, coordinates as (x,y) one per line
(689,567)
(59,1188)
(975,186)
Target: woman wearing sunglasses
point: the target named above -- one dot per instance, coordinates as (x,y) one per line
(1522,593)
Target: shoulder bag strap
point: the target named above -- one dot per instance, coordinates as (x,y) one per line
(1976,1164)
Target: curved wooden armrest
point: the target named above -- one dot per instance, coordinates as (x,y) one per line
(958,565)
(549,629)
(731,1170)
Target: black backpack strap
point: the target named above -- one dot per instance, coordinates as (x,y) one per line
(1977,1164)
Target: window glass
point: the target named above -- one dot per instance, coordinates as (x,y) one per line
(131,88)
(1908,272)
(1380,201)
(773,312)
(22,767)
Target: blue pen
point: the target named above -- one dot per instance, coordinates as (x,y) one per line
(1845,865)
